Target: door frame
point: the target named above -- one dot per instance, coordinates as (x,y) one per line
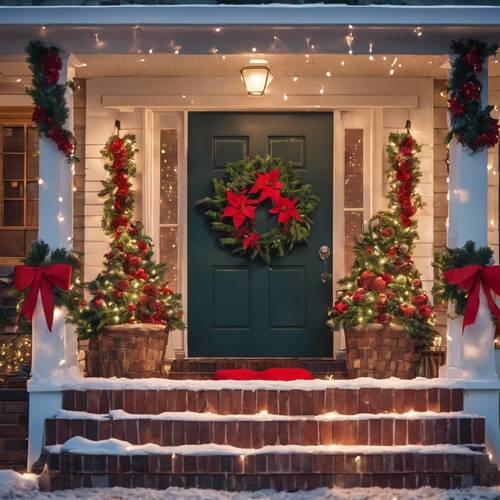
(153,120)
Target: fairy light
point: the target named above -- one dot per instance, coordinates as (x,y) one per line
(98,41)
(349,39)
(418,31)
(328,74)
(322,90)
(295,78)
(254,49)
(40,181)
(61,199)
(217,30)
(60,217)
(285,97)
(342,63)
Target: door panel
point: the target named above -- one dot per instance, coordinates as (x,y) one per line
(242,308)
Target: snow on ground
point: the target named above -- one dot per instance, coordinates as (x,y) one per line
(14,485)
(319,494)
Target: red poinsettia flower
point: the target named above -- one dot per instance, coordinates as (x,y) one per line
(239,208)
(268,185)
(252,240)
(286,210)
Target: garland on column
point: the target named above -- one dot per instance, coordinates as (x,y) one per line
(130,288)
(384,285)
(51,111)
(470,123)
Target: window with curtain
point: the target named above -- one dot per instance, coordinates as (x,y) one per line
(18,189)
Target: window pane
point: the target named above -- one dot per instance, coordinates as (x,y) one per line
(32,213)
(353,177)
(12,243)
(353,225)
(13,166)
(32,189)
(169,254)
(168,176)
(13,189)
(32,140)
(13,139)
(32,165)
(13,213)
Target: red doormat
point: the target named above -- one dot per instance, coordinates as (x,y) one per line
(283,374)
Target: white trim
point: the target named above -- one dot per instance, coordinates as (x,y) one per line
(238,102)
(279,14)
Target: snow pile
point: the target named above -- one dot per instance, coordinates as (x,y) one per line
(262,416)
(81,445)
(475,493)
(13,484)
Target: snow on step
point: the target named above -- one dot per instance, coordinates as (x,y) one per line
(80,445)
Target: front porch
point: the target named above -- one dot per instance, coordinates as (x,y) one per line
(365,73)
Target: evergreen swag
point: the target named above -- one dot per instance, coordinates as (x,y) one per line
(453,258)
(130,289)
(51,110)
(384,285)
(250,184)
(41,255)
(470,124)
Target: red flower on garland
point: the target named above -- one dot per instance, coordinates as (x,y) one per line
(456,108)
(268,185)
(240,207)
(286,210)
(470,91)
(473,59)
(251,241)
(52,66)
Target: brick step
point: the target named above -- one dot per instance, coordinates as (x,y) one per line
(20,407)
(282,401)
(211,365)
(13,456)
(13,431)
(258,432)
(199,375)
(280,471)
(19,466)
(19,394)
(14,418)
(10,444)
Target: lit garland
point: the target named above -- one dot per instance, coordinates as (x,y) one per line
(14,353)
(130,288)
(51,110)
(384,285)
(470,123)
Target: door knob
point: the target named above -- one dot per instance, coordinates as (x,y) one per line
(324,252)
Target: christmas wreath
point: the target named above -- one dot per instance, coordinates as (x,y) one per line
(471,124)
(255,183)
(51,111)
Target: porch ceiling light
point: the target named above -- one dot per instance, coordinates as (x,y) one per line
(256,76)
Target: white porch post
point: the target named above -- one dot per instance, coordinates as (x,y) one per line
(472,355)
(53,353)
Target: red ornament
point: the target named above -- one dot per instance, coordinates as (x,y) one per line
(358,295)
(388,278)
(426,311)
(409,310)
(141,274)
(99,302)
(378,284)
(417,283)
(387,232)
(420,300)
(150,290)
(340,307)
(382,301)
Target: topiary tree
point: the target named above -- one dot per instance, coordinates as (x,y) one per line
(130,289)
(384,285)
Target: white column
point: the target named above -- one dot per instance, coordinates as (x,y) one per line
(52,352)
(467,220)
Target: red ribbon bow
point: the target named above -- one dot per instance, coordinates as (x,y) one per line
(470,278)
(41,279)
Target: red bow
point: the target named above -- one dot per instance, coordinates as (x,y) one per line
(41,279)
(470,278)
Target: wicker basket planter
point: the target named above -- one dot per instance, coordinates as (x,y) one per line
(380,351)
(133,351)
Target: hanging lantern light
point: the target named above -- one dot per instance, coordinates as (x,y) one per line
(256,76)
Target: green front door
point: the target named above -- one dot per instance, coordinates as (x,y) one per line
(242,308)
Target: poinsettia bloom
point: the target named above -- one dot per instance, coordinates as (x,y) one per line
(252,240)
(239,208)
(268,185)
(286,210)
(340,307)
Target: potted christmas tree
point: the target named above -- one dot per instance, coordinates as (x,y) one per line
(131,310)
(385,313)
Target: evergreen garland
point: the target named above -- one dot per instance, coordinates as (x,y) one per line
(251,183)
(452,258)
(130,288)
(470,123)
(384,285)
(51,111)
